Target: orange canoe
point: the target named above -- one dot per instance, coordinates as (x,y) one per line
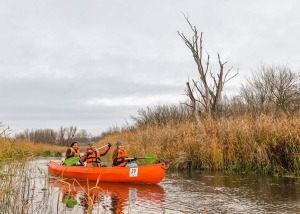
(140,174)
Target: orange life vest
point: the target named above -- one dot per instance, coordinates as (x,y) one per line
(94,157)
(73,152)
(122,153)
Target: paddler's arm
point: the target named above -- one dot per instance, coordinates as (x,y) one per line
(117,163)
(104,152)
(84,157)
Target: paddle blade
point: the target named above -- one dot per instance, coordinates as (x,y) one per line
(149,158)
(71,161)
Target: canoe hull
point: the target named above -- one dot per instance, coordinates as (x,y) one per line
(141,174)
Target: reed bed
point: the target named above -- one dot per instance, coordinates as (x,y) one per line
(17,188)
(18,178)
(24,188)
(17,149)
(265,144)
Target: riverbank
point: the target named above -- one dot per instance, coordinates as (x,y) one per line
(265,144)
(16,149)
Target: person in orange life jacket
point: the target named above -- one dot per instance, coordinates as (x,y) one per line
(92,156)
(119,155)
(73,151)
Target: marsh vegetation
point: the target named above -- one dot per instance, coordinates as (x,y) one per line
(18,185)
(257,130)
(263,144)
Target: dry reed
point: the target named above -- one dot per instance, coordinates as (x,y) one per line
(265,144)
(16,149)
(17,177)
(18,189)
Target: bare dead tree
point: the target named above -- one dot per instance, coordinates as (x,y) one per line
(205,93)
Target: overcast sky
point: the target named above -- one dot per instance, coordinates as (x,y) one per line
(94,63)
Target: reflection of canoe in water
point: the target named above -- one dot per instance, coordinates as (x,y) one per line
(147,192)
(141,174)
(116,197)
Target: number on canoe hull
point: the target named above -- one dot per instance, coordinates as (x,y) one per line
(133,172)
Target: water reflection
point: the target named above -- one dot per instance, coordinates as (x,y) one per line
(182,192)
(69,198)
(218,192)
(115,197)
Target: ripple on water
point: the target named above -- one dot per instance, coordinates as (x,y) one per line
(214,192)
(231,194)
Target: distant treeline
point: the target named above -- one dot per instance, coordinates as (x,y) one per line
(63,137)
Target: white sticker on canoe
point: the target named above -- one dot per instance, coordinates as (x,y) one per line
(133,172)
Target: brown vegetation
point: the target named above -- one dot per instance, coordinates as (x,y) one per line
(265,144)
(257,130)
(17,177)
(11,149)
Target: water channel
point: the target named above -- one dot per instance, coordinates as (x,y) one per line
(179,192)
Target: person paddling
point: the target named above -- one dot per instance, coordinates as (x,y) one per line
(119,156)
(73,151)
(92,156)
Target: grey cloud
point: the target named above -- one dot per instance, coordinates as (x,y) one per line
(55,55)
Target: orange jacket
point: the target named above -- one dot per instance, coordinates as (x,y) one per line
(72,153)
(93,157)
(118,160)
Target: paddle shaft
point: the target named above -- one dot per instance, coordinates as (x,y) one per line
(102,147)
(97,149)
(134,158)
(148,158)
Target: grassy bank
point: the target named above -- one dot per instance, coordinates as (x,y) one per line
(265,144)
(11,149)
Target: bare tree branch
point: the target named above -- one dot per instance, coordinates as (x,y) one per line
(208,96)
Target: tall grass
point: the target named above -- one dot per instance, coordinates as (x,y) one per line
(17,177)
(17,187)
(265,144)
(16,149)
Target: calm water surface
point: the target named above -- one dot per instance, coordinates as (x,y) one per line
(210,192)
